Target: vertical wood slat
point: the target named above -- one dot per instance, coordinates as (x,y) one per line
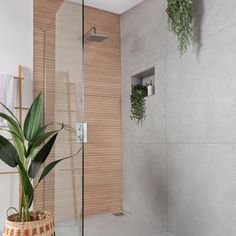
(103,161)
(20,92)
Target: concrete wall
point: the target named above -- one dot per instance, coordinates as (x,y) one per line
(180,167)
(143,36)
(16,47)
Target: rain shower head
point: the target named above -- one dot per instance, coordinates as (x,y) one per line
(93,36)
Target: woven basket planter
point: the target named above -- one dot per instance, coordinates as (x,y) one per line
(42,226)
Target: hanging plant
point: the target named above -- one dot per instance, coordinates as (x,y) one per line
(138,106)
(181,22)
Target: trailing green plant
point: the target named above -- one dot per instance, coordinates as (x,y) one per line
(181,22)
(138,105)
(28,151)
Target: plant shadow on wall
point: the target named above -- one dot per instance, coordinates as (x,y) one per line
(198,15)
(28,151)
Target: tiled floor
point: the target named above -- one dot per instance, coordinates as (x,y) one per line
(109,225)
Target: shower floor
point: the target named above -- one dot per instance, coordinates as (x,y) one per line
(109,225)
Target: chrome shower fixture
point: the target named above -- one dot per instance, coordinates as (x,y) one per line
(93,36)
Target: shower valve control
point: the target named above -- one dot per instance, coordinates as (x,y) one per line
(81,132)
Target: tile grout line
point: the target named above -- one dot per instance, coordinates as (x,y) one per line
(233,143)
(165,138)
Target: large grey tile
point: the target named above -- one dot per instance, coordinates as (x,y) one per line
(185,108)
(143,33)
(109,225)
(62,230)
(144,178)
(201,96)
(201,189)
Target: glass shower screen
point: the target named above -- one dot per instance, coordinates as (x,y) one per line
(62,86)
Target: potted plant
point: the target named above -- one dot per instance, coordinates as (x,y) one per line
(181,22)
(28,151)
(138,105)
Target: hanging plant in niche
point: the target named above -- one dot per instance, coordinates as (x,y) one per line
(138,106)
(181,22)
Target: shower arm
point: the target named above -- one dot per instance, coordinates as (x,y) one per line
(91,29)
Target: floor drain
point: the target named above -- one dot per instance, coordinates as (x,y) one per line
(118,214)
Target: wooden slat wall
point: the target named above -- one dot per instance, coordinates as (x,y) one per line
(103,170)
(61,97)
(68,91)
(103,162)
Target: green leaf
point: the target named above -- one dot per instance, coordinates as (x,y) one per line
(10,112)
(32,120)
(8,153)
(40,132)
(30,197)
(181,22)
(49,168)
(16,132)
(34,146)
(20,147)
(11,122)
(40,138)
(51,165)
(17,140)
(11,132)
(41,157)
(19,144)
(25,181)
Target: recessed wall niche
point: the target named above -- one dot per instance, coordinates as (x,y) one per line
(145,78)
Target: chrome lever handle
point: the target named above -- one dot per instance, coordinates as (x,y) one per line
(81,132)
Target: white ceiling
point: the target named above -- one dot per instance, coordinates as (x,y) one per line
(117,6)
